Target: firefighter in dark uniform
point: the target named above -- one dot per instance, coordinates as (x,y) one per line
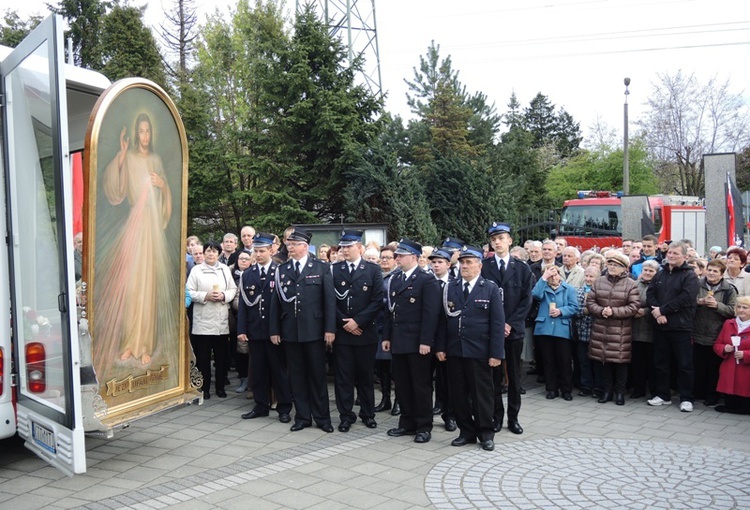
(359,298)
(303,319)
(516,279)
(413,300)
(440,260)
(471,342)
(257,288)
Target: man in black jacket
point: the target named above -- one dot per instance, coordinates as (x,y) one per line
(515,278)
(471,338)
(359,298)
(257,288)
(303,317)
(413,302)
(672,296)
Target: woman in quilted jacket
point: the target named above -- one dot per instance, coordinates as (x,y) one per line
(613,301)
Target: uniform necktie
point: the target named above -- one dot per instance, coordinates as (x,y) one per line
(296,268)
(502,268)
(263,274)
(466,290)
(453,273)
(351,268)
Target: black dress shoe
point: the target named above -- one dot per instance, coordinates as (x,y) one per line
(540,379)
(515,427)
(450,425)
(327,427)
(606,397)
(384,405)
(620,399)
(398,432)
(254,414)
(437,410)
(206,395)
(298,425)
(585,392)
(488,445)
(497,424)
(463,441)
(596,393)
(344,426)
(285,417)
(396,410)
(221,393)
(370,423)
(423,437)
(567,396)
(522,390)
(551,395)
(638,394)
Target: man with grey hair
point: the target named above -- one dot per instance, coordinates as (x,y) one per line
(228,247)
(572,271)
(672,297)
(535,251)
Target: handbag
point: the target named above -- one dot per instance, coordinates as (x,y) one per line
(243,347)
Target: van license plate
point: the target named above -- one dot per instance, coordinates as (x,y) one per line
(44,437)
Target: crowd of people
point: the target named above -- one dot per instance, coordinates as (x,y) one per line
(455,321)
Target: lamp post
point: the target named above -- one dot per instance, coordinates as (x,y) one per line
(625,158)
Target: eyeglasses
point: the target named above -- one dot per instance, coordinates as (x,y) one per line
(386,257)
(244,259)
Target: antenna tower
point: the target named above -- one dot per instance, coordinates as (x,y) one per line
(353,21)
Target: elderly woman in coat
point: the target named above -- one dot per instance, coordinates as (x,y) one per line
(716,300)
(211,288)
(613,301)
(558,306)
(734,372)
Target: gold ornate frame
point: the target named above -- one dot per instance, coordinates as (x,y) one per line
(119,410)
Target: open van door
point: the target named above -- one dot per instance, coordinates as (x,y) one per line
(42,287)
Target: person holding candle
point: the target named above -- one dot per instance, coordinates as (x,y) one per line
(733,346)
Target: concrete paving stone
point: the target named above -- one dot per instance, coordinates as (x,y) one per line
(293,479)
(323,489)
(27,502)
(242,502)
(70,503)
(289,498)
(210,461)
(415,496)
(143,473)
(99,492)
(23,484)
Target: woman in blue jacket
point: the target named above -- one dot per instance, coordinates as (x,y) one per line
(557,307)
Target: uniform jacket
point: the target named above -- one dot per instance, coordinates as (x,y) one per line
(359,296)
(565,299)
(708,321)
(675,291)
(734,378)
(478,331)
(516,284)
(611,338)
(413,309)
(303,308)
(210,317)
(254,305)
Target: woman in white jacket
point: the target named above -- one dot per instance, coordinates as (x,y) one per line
(211,288)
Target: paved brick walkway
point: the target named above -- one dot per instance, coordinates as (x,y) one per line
(577,454)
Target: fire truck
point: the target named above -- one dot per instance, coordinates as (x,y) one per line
(594,219)
(50,392)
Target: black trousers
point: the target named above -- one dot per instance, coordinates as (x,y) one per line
(443,389)
(306,362)
(354,365)
(413,377)
(512,362)
(472,394)
(269,371)
(706,364)
(642,366)
(203,345)
(558,371)
(615,376)
(669,345)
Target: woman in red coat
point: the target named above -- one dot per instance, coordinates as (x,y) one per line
(734,373)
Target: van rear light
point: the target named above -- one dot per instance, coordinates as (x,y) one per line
(2,371)
(36,377)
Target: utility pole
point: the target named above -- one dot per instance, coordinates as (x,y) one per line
(626,157)
(353,21)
